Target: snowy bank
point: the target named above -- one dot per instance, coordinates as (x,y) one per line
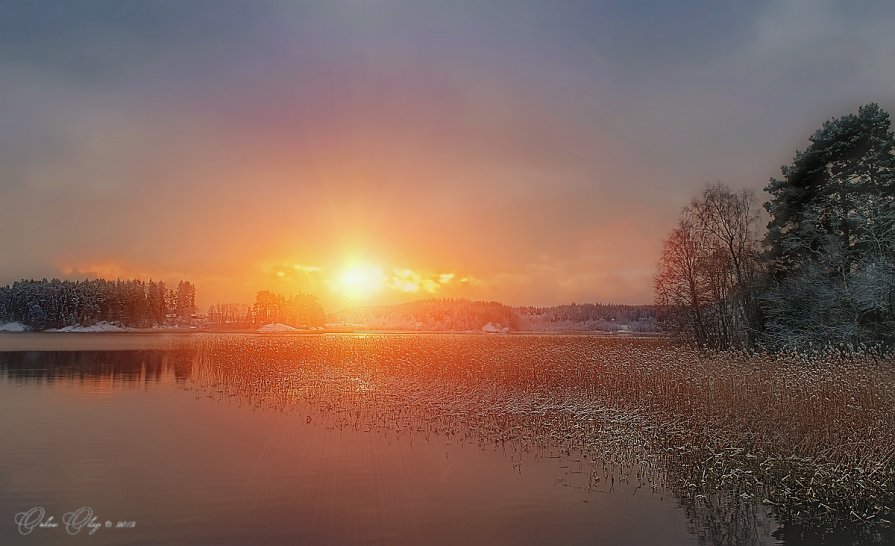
(13,327)
(277,327)
(492,328)
(98,327)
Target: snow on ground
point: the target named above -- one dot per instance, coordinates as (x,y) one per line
(13,327)
(98,327)
(492,328)
(277,327)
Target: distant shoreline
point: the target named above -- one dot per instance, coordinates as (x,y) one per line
(158,339)
(308,331)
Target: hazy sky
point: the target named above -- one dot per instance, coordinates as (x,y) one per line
(536,151)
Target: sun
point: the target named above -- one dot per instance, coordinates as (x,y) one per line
(360,281)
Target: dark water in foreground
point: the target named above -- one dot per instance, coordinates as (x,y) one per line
(127,435)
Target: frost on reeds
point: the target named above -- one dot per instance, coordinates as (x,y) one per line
(812,437)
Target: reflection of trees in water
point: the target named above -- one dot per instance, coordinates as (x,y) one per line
(127,368)
(728,503)
(722,518)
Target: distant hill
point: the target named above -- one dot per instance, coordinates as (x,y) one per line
(460,315)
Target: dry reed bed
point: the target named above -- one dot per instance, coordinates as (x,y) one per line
(810,436)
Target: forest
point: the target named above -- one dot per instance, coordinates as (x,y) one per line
(821,274)
(54,304)
(47,304)
(589,317)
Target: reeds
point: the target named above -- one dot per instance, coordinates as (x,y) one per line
(810,436)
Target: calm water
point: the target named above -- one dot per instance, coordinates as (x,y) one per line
(133,434)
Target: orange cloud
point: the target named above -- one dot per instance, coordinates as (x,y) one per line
(410,281)
(356,280)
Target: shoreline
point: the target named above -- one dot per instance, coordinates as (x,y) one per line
(156,339)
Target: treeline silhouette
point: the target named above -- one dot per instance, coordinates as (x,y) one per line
(300,310)
(53,304)
(824,271)
(56,303)
(589,316)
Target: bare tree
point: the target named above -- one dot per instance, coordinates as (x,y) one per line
(730,221)
(679,286)
(706,280)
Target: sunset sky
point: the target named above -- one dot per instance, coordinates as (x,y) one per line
(367,152)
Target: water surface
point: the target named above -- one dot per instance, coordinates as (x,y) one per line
(137,435)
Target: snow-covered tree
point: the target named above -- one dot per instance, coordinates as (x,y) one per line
(831,238)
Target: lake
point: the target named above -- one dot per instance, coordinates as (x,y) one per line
(324,439)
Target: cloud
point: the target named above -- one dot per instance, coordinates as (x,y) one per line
(404,280)
(461,139)
(106,270)
(411,282)
(306,268)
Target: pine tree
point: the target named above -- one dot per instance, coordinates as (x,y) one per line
(836,197)
(831,238)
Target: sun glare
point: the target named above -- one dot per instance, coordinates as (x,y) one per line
(360,281)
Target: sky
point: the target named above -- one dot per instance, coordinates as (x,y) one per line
(372,152)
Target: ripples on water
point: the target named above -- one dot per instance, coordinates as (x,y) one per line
(346,439)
